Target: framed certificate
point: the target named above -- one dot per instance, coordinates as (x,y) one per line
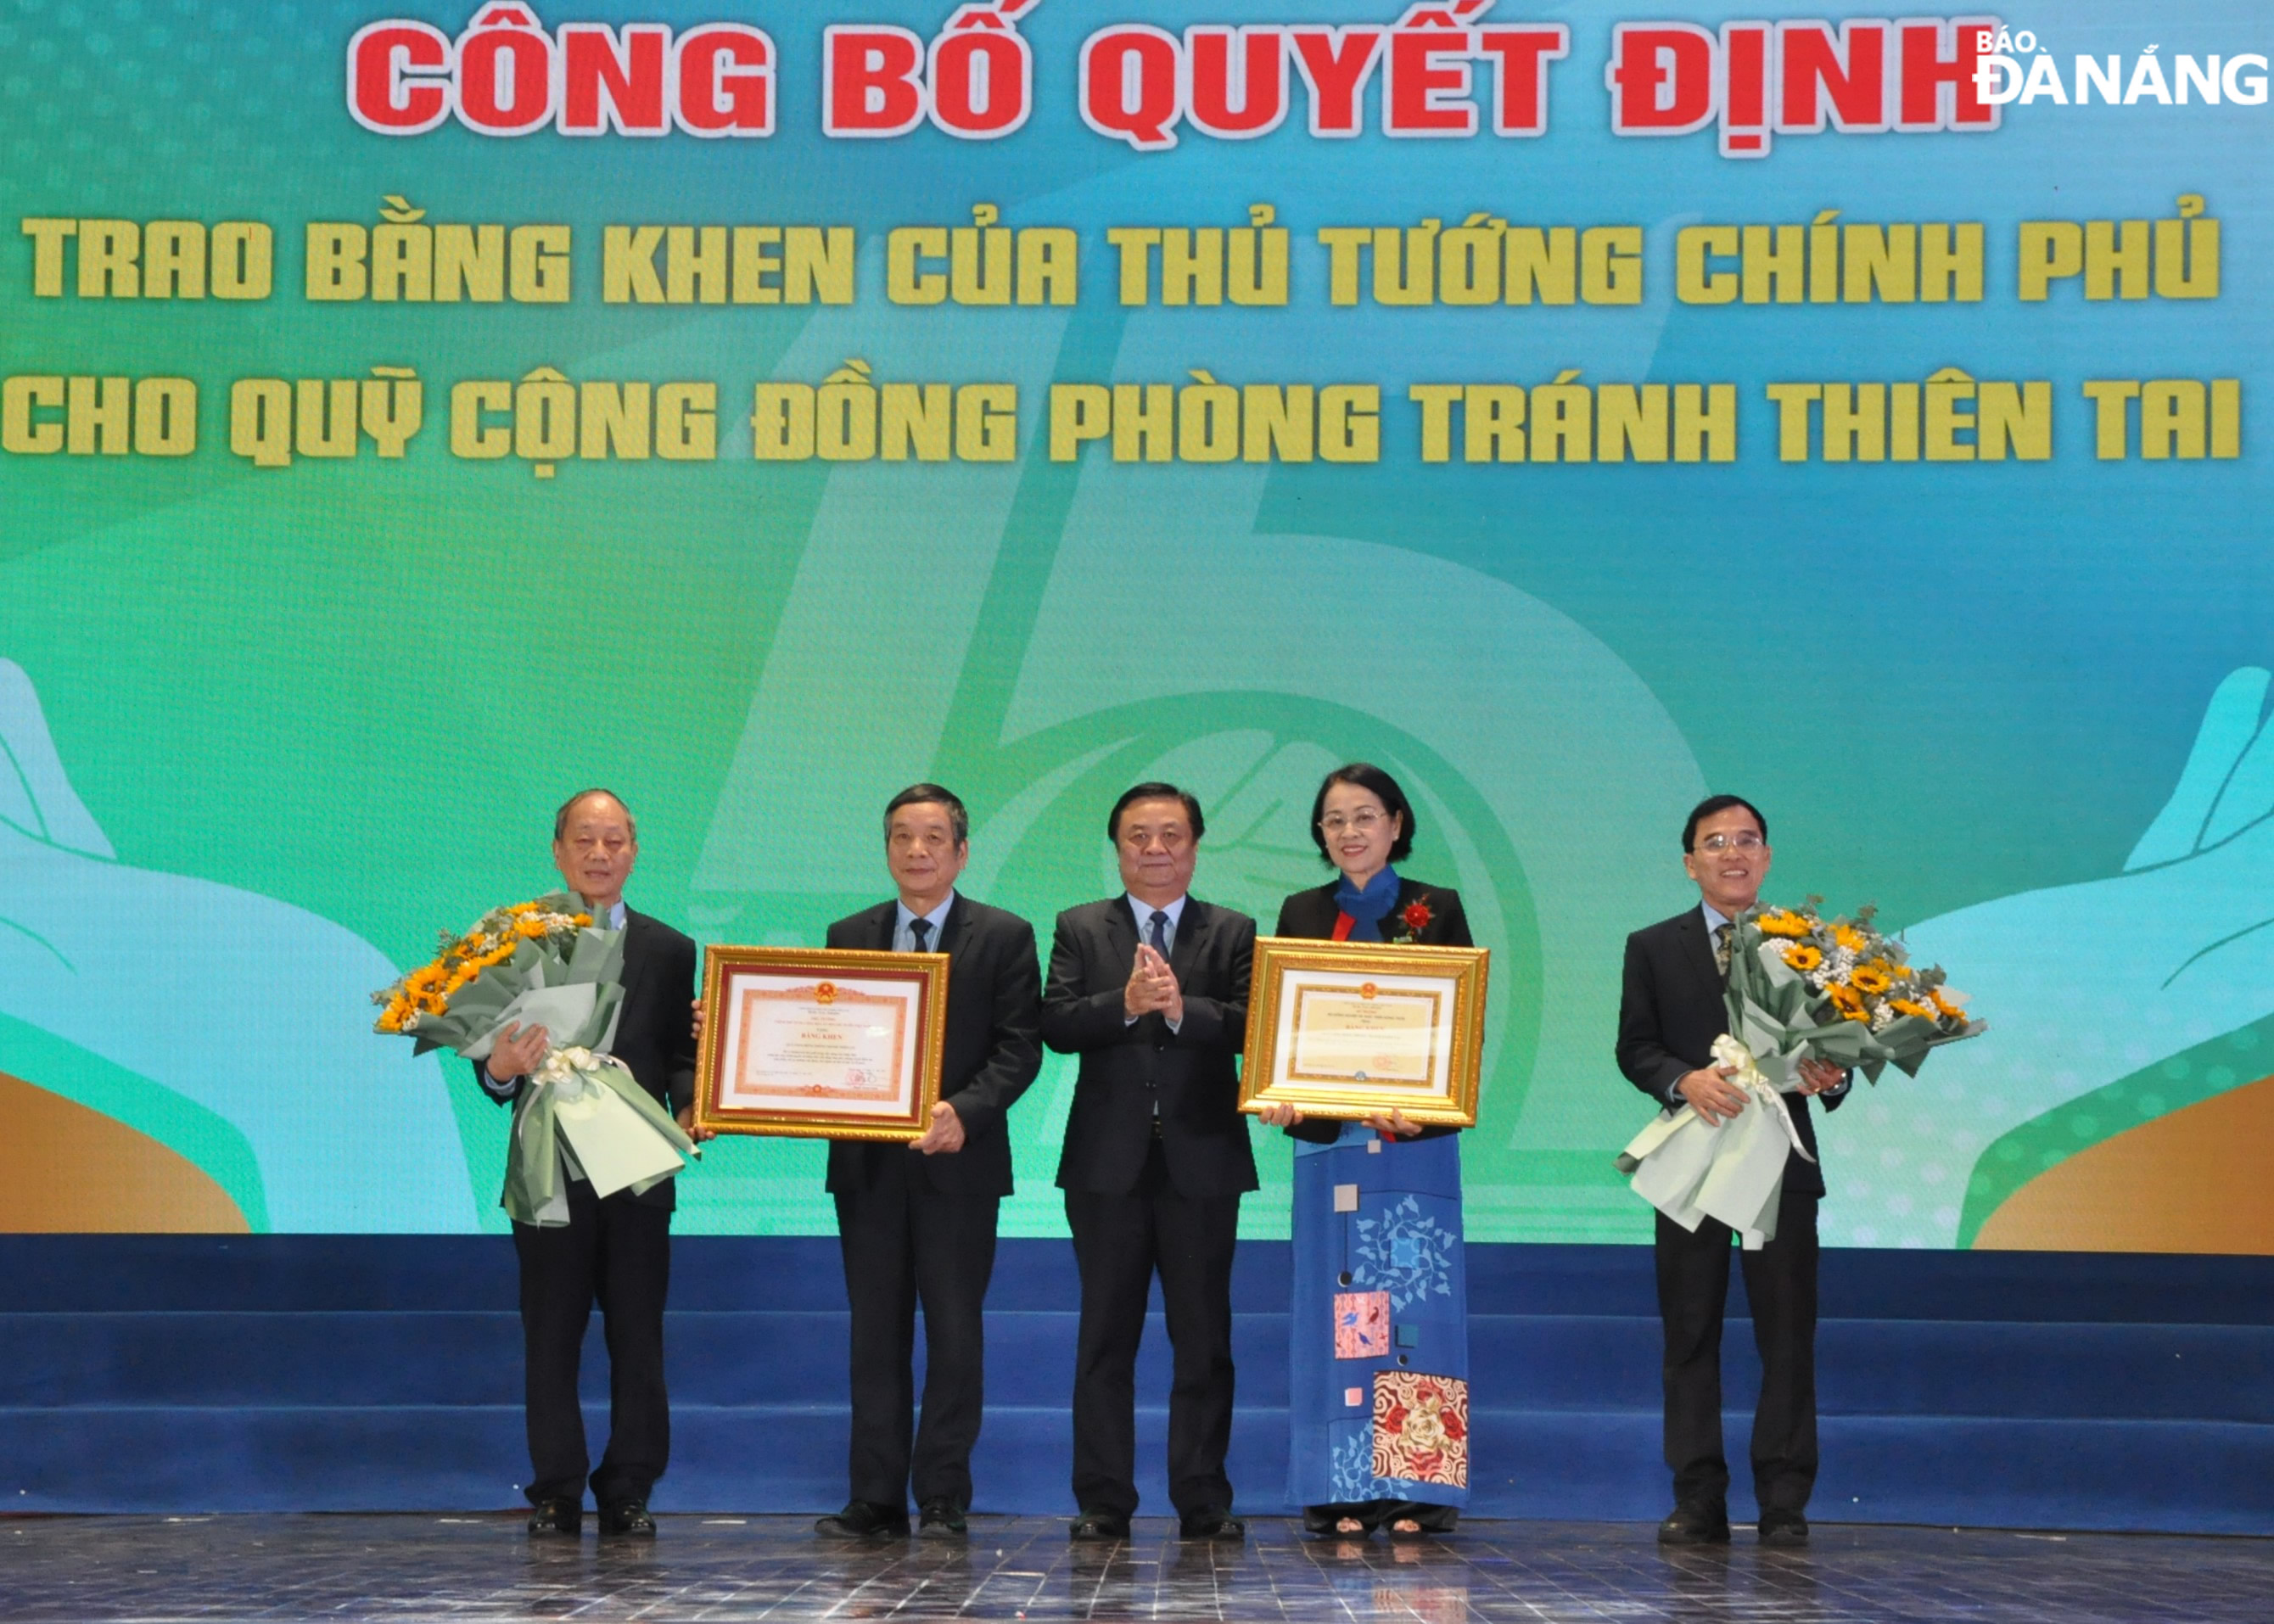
(820,1043)
(1347,1029)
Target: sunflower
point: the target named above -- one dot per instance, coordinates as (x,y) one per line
(1803,957)
(1783,922)
(1850,937)
(1911,1006)
(1871,978)
(1843,998)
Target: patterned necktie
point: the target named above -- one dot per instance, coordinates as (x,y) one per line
(1722,933)
(1157,938)
(920,928)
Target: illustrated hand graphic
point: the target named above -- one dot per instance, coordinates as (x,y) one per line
(2082,985)
(348,1132)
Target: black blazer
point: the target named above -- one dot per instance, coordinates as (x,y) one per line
(654,1037)
(1311,914)
(1194,1071)
(990,1052)
(1670,1012)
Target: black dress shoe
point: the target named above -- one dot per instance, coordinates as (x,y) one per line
(1211,1522)
(621,1518)
(941,1519)
(1783,1527)
(864,1519)
(1099,1525)
(1696,1526)
(557,1516)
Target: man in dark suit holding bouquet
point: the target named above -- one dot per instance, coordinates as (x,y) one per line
(1150,988)
(1671,1010)
(916,1222)
(615,1251)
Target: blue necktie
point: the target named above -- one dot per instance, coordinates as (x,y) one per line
(1157,939)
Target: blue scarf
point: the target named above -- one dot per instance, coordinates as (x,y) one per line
(1367,906)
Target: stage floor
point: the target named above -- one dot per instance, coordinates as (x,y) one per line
(345,1570)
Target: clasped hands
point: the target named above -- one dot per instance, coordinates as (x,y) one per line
(1152,989)
(1715,1098)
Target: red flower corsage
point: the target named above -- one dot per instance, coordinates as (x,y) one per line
(1415,917)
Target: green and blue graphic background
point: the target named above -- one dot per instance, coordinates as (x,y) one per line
(268,730)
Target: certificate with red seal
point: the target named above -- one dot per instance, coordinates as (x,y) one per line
(820,1043)
(1348,1029)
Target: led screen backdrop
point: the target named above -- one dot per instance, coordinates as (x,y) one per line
(413,416)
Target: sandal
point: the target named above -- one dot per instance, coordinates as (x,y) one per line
(1335,1522)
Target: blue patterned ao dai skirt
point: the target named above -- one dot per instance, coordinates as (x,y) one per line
(1378,1364)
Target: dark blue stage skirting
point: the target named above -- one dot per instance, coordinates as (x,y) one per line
(330,1372)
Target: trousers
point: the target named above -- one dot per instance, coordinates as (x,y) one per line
(905,1243)
(1693,1289)
(616,1252)
(1119,1243)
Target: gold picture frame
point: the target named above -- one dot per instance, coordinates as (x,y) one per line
(1348,1029)
(820,1043)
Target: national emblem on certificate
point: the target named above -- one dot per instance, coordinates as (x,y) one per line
(820,1043)
(1346,1029)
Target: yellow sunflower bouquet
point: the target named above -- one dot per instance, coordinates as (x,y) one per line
(1801,987)
(581,1113)
(1837,989)
(432,1003)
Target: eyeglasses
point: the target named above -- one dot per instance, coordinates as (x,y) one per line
(1747,842)
(1357,823)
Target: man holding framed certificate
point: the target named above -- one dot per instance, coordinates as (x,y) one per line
(916,1222)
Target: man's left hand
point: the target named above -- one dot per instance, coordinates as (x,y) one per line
(698,1134)
(1820,1077)
(944,1137)
(1395,1124)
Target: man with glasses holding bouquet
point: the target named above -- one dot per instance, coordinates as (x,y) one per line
(1671,1010)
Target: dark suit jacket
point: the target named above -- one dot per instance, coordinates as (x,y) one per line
(991,1049)
(1193,1071)
(1311,914)
(654,1033)
(1670,1012)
